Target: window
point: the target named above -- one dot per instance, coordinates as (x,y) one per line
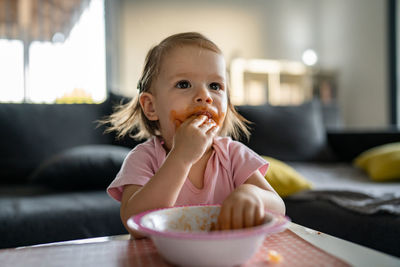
(11,71)
(70,68)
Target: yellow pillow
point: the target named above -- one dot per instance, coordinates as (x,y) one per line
(284,179)
(382,163)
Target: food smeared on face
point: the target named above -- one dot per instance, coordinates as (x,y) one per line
(179,117)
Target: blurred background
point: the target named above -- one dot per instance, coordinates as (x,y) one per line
(343,53)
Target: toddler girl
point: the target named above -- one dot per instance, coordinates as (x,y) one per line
(184,111)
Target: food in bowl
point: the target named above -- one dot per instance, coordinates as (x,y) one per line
(183,236)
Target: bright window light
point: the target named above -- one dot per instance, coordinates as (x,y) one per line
(61,72)
(75,67)
(11,71)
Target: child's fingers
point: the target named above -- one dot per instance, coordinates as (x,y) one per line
(259,215)
(207,126)
(192,120)
(203,123)
(238,218)
(214,130)
(249,217)
(214,226)
(198,120)
(224,218)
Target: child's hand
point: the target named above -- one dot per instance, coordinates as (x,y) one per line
(193,137)
(242,208)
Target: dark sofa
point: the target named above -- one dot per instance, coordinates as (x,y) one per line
(54,168)
(56,164)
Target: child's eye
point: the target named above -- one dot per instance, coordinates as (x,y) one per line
(183,85)
(215,86)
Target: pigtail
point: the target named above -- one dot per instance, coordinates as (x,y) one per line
(235,125)
(123,120)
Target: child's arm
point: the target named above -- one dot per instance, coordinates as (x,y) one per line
(161,191)
(245,206)
(191,140)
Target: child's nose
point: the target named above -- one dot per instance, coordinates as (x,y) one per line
(203,96)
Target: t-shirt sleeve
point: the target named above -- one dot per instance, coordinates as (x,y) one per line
(137,169)
(244,162)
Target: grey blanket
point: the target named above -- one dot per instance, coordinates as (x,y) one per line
(349,187)
(355,201)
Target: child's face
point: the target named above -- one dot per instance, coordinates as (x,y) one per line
(192,81)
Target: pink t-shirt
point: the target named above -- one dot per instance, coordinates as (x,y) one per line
(229,166)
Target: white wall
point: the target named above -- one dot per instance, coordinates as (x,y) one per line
(250,29)
(353,40)
(348,35)
(146,23)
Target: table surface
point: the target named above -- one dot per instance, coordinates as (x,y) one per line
(298,246)
(354,254)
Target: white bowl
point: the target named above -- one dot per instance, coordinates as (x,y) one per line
(182,235)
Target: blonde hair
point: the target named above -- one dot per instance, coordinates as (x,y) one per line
(129,118)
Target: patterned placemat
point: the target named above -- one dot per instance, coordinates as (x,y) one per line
(292,250)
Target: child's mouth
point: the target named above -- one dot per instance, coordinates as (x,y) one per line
(212,117)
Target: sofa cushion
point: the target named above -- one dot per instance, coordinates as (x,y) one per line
(288,133)
(382,163)
(81,168)
(58,217)
(347,144)
(31,133)
(284,179)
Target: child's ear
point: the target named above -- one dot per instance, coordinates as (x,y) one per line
(146,101)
